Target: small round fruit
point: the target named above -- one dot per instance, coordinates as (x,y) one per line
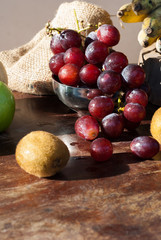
(70,38)
(146,87)
(89,74)
(108,34)
(101,106)
(87,127)
(109,82)
(113,125)
(144,147)
(41,154)
(74,55)
(133,76)
(69,75)
(92,36)
(101,149)
(93,93)
(134,112)
(130,126)
(56,62)
(55,44)
(155,125)
(7,107)
(137,96)
(115,61)
(96,52)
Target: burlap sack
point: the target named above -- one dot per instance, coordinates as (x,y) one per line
(150,60)
(28,66)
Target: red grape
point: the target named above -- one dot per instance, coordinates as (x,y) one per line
(70,38)
(92,36)
(55,44)
(109,82)
(145,147)
(108,34)
(101,149)
(113,125)
(56,62)
(96,52)
(137,96)
(94,93)
(133,76)
(87,127)
(134,112)
(101,106)
(74,55)
(146,87)
(69,74)
(130,125)
(89,74)
(115,61)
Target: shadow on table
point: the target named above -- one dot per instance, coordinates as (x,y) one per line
(81,168)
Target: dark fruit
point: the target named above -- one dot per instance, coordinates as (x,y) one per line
(87,127)
(100,106)
(94,93)
(89,74)
(101,149)
(131,126)
(113,125)
(69,74)
(92,36)
(56,62)
(109,82)
(96,52)
(115,61)
(146,87)
(145,147)
(137,96)
(55,44)
(108,34)
(133,76)
(74,55)
(70,38)
(134,112)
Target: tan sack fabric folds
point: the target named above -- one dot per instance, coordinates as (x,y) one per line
(27,66)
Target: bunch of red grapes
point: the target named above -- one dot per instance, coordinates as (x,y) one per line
(120,96)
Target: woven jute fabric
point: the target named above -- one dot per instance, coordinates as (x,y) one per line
(27,66)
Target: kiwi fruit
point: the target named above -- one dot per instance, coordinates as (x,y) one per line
(41,154)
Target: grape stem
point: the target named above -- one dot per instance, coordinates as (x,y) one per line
(120,104)
(49,29)
(77,22)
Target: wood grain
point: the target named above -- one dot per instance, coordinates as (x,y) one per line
(119,199)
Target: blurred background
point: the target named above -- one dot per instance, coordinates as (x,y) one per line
(20,20)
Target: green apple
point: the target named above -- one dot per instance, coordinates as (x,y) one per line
(7,106)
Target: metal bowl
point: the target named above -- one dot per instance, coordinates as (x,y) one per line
(76,98)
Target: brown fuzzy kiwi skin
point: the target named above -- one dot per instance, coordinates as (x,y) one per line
(41,154)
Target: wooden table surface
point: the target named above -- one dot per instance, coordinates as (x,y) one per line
(118,199)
